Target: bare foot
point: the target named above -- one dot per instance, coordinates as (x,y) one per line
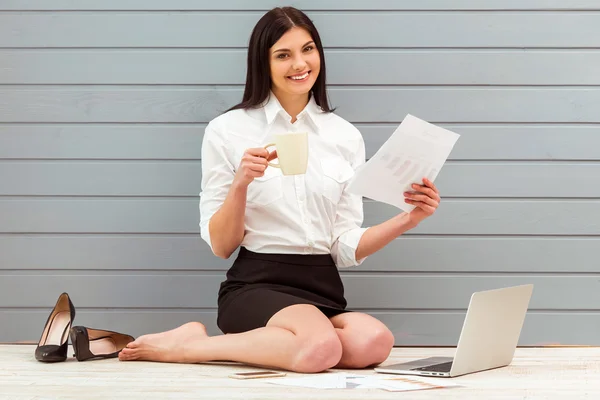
(169,346)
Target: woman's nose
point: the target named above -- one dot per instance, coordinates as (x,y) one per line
(299,63)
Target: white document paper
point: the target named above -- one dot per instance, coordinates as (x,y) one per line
(417,149)
(396,384)
(315,381)
(351,381)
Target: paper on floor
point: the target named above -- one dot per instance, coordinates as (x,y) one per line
(351,381)
(415,150)
(397,384)
(316,381)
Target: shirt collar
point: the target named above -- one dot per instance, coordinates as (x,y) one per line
(273,108)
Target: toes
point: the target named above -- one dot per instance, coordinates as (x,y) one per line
(127,355)
(132,345)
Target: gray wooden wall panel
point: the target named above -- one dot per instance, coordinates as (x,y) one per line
(183,178)
(155,252)
(357,104)
(204,67)
(307,5)
(172,289)
(76,141)
(337,29)
(100,137)
(470,253)
(180,215)
(412,328)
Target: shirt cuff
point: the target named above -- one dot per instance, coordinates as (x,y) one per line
(204,233)
(344,249)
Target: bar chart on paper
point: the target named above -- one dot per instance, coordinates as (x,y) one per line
(417,149)
(409,170)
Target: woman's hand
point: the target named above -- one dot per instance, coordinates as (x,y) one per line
(425,198)
(253,165)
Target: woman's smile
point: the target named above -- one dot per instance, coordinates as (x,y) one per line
(299,78)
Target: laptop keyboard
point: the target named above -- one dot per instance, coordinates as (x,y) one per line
(443,367)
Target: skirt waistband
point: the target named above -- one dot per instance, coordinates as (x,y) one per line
(295,259)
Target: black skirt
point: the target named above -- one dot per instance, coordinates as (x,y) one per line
(258,285)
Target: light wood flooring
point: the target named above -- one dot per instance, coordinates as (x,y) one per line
(536,373)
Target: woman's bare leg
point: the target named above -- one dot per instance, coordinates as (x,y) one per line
(298,338)
(365,340)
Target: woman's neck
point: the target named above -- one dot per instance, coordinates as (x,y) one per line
(292,104)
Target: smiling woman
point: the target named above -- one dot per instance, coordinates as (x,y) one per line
(286,43)
(282,304)
(294,71)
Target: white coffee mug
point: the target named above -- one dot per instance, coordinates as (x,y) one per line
(292,152)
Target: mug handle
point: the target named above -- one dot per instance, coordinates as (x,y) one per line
(271,164)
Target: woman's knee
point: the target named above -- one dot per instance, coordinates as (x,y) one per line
(317,346)
(318,352)
(381,344)
(371,348)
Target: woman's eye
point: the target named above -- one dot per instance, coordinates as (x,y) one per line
(308,48)
(282,56)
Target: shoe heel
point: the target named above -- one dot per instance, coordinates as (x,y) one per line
(73,338)
(53,343)
(89,343)
(79,351)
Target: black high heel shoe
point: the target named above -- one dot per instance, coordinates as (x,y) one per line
(53,343)
(96,343)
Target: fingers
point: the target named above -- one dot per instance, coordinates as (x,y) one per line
(255,173)
(248,173)
(259,156)
(257,152)
(430,184)
(256,156)
(428,192)
(255,163)
(262,152)
(422,198)
(426,196)
(252,165)
(422,194)
(272,156)
(423,206)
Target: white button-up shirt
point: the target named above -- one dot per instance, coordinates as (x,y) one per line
(311,213)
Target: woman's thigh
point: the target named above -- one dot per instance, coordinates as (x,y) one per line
(251,308)
(317,345)
(302,320)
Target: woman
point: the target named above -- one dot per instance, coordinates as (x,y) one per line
(282,304)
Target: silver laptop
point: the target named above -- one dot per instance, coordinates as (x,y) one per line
(488,339)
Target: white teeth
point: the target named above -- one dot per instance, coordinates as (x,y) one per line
(297,78)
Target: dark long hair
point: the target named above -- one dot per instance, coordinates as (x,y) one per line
(268,30)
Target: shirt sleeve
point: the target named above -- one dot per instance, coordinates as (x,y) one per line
(217,175)
(347,229)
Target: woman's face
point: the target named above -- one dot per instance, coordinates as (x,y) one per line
(295,63)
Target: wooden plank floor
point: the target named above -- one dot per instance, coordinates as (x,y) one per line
(536,373)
